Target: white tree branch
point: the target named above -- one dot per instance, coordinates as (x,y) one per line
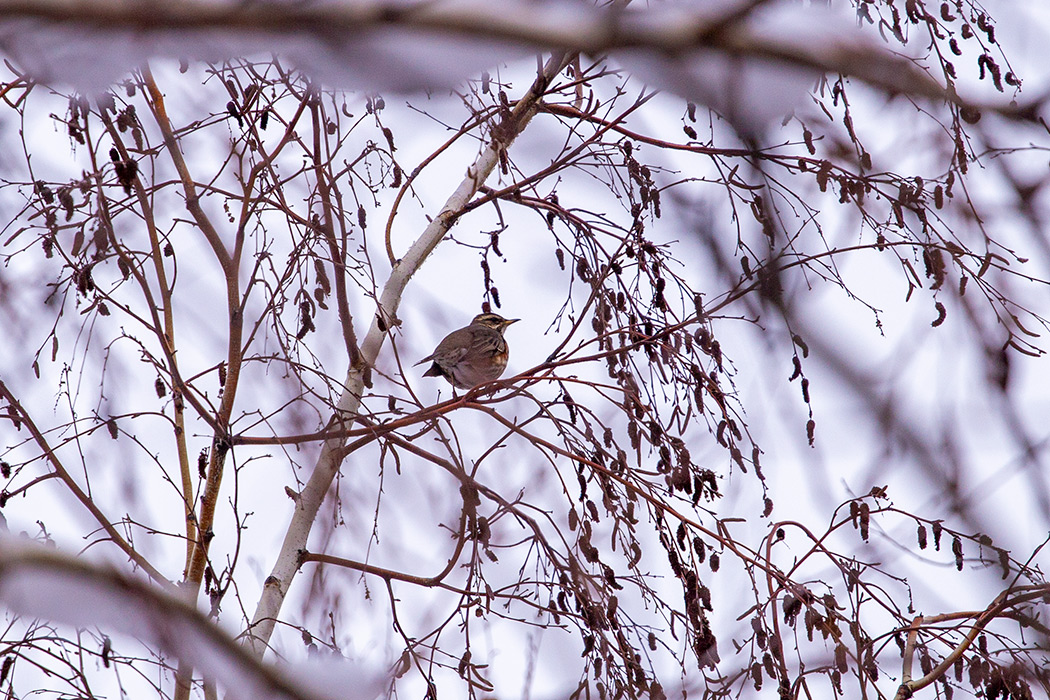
(669,30)
(332,454)
(39,582)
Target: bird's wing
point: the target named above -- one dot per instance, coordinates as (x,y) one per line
(452,347)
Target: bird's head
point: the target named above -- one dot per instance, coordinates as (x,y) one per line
(493,321)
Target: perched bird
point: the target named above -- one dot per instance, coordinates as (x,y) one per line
(472,355)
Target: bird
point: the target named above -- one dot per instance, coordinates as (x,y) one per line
(472,355)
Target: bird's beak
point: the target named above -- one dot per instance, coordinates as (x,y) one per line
(508,321)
